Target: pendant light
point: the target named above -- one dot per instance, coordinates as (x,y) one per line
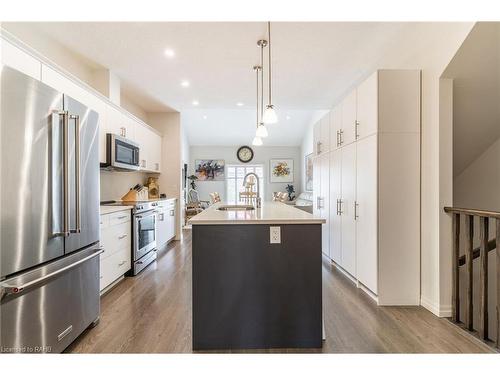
(269,116)
(261,128)
(257,141)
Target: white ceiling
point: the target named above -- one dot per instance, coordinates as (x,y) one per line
(475,70)
(314,64)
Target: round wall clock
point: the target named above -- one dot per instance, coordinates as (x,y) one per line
(244,154)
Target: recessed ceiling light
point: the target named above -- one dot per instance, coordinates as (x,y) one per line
(195,102)
(169,52)
(288,117)
(185,83)
(239,104)
(205,117)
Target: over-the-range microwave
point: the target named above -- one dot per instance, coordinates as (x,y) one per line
(121,153)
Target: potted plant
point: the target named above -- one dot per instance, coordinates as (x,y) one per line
(291,192)
(193,178)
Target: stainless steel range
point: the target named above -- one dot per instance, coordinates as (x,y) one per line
(144,217)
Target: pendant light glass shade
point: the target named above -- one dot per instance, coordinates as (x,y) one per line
(261,131)
(257,141)
(270,116)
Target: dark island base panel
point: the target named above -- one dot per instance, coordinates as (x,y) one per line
(250,294)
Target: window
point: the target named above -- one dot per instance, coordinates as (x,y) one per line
(234,180)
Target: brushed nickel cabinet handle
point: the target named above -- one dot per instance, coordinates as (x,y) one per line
(122,236)
(356,133)
(122,263)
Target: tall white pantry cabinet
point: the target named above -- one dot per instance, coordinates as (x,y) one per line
(367,185)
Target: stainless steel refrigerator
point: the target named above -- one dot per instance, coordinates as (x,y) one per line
(49,235)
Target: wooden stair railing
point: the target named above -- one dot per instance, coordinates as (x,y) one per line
(468,259)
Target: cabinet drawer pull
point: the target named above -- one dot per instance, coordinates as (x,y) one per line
(356,125)
(356,216)
(122,217)
(122,236)
(172,212)
(121,263)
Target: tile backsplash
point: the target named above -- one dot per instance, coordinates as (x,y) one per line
(115,185)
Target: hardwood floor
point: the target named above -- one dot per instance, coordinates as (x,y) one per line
(151,313)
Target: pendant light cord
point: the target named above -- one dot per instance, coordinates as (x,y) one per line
(269,62)
(257,75)
(261,82)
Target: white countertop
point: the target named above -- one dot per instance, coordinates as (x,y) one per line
(269,213)
(111,209)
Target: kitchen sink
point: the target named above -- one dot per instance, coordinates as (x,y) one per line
(236,207)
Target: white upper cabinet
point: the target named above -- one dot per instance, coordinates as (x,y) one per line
(20,60)
(335,127)
(321,135)
(367,107)
(399,101)
(349,110)
(325,133)
(149,148)
(119,123)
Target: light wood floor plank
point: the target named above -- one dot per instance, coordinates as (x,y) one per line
(151,313)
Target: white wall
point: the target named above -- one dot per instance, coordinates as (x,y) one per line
(262,155)
(478,186)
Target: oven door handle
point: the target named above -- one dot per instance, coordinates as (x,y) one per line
(148,214)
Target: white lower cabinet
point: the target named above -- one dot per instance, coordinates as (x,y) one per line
(321,195)
(116,240)
(165,228)
(366,212)
(346,207)
(335,196)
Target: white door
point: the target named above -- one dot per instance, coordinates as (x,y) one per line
(367,107)
(347,208)
(335,126)
(335,196)
(348,119)
(366,221)
(325,203)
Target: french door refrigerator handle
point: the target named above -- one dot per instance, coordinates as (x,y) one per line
(7,288)
(66,231)
(62,114)
(78,228)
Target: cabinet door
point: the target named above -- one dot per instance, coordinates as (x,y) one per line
(161,228)
(325,133)
(366,212)
(325,203)
(316,186)
(119,123)
(348,226)
(20,60)
(142,137)
(170,215)
(348,130)
(156,152)
(367,107)
(335,126)
(317,138)
(335,196)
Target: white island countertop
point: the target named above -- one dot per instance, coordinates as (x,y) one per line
(269,213)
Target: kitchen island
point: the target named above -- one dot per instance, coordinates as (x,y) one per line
(256,278)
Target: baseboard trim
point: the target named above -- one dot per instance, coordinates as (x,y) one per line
(443,311)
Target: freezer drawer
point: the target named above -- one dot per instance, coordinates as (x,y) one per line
(46,309)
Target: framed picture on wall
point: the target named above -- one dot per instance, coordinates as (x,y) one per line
(281,170)
(209,170)
(309,172)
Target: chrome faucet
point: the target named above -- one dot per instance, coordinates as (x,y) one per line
(258,200)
